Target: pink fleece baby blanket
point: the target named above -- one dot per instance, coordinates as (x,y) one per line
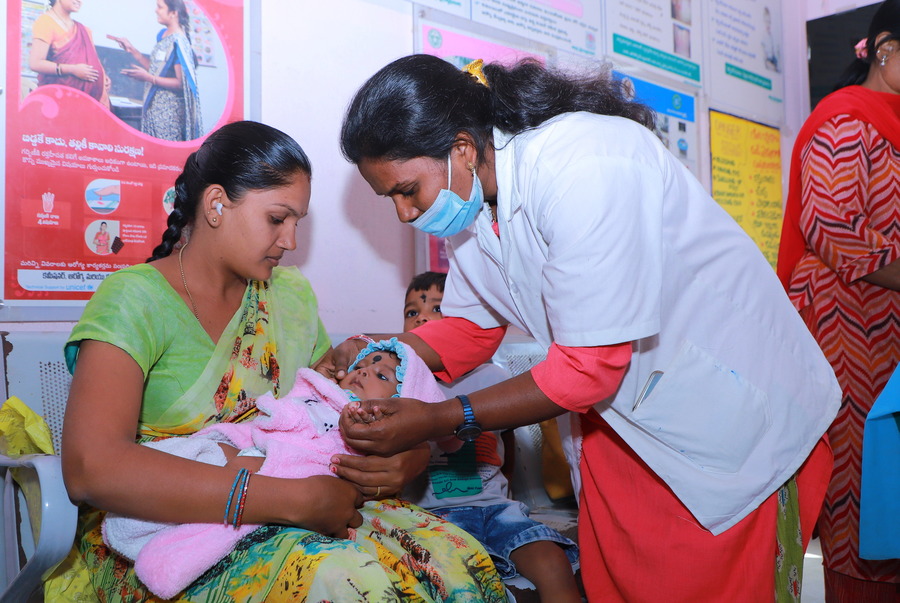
(298,433)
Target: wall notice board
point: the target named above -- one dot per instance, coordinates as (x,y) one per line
(87,191)
(746,176)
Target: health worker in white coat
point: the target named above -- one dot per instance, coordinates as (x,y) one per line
(702,396)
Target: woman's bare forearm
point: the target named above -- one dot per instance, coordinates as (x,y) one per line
(512,403)
(138,481)
(103,466)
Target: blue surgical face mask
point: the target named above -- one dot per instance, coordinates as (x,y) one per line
(449,214)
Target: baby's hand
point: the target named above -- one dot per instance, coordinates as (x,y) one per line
(357,414)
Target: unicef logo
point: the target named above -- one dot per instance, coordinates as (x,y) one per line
(435,38)
(676,101)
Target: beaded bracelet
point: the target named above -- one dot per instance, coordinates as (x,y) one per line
(240,481)
(362,337)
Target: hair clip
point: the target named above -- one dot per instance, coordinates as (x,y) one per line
(861,51)
(475,70)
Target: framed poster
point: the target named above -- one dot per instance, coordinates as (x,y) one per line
(100,117)
(746,66)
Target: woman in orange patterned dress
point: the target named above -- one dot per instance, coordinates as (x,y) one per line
(840,262)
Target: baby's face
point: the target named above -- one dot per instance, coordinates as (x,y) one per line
(375,376)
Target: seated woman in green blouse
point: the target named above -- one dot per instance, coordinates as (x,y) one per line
(192,338)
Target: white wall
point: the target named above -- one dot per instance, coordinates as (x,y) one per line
(353,249)
(314,55)
(359,263)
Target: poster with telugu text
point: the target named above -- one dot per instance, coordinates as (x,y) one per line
(460,48)
(98,129)
(570,25)
(746,177)
(745,65)
(663,36)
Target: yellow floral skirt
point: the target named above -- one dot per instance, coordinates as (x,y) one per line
(399,553)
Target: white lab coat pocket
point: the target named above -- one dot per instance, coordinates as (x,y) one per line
(705,411)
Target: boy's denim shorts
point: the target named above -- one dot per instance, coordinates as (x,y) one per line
(504,528)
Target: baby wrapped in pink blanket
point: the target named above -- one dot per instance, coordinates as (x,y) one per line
(297,433)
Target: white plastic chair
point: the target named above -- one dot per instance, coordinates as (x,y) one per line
(38,519)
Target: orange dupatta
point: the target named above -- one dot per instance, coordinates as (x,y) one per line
(875,108)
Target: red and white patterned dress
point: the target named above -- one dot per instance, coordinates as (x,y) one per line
(850,220)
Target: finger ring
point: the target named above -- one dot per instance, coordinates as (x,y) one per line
(378,492)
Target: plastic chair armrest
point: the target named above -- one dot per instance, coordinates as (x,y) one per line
(56,521)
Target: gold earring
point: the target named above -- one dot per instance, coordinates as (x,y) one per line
(214,219)
(471,167)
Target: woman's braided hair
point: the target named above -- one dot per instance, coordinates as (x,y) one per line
(240,157)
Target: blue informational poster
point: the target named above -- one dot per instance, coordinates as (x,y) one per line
(676,124)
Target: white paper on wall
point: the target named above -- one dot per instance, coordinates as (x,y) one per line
(664,36)
(745,58)
(570,25)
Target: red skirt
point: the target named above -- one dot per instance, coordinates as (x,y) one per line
(640,544)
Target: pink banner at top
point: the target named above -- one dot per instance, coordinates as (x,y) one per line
(461,49)
(90,168)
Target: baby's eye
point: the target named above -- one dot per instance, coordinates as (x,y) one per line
(412,313)
(437,310)
(382,376)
